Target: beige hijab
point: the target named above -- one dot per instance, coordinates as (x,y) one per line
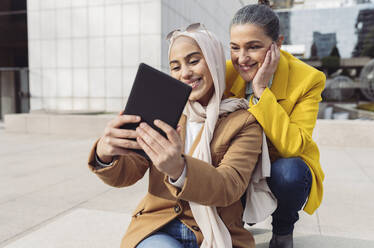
(213,229)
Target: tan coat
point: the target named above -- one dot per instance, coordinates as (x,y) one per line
(235,148)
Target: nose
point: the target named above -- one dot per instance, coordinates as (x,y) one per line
(243,56)
(186,72)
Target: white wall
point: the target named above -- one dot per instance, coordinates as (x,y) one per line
(83,54)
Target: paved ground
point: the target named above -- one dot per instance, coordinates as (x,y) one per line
(48,198)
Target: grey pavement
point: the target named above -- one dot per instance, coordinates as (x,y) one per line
(49,198)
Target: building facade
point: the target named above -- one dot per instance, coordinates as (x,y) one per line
(313,4)
(83,54)
(298,26)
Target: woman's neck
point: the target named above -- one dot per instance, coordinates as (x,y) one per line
(204,101)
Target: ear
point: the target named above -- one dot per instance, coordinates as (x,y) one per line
(280,41)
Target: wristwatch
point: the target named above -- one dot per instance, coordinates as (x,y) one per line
(255,99)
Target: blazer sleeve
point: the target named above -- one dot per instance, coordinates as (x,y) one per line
(223,185)
(125,171)
(290,133)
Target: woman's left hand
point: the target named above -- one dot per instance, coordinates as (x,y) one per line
(166,154)
(266,70)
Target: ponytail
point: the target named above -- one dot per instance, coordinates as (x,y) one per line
(264,2)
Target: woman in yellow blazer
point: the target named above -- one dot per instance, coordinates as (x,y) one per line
(284,94)
(196,180)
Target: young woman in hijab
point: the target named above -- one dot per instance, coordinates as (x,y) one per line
(284,94)
(196,177)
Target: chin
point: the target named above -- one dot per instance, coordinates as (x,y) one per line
(247,77)
(196,94)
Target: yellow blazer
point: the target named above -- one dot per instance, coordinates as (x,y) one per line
(288,112)
(235,148)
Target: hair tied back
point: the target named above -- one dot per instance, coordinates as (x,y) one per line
(264,2)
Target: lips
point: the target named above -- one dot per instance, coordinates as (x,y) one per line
(247,67)
(195,83)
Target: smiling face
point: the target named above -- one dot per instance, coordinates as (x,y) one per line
(187,64)
(248,46)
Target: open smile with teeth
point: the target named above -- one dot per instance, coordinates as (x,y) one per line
(247,67)
(195,83)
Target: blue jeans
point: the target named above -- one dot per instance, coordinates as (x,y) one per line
(173,235)
(290,181)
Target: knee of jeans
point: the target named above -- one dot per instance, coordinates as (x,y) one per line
(289,174)
(159,240)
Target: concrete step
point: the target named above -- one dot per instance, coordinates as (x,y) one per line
(338,133)
(87,228)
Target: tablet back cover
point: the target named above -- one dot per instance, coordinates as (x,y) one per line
(156,95)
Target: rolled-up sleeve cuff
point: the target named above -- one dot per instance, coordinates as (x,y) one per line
(101,164)
(180,181)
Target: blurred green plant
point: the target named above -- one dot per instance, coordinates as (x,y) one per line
(366,106)
(368,44)
(330,64)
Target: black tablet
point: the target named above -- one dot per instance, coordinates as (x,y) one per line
(156,95)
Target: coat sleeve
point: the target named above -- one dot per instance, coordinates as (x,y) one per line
(223,185)
(125,171)
(290,133)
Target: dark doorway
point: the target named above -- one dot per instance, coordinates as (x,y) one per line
(14,86)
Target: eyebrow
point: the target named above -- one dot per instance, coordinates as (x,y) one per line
(187,57)
(248,43)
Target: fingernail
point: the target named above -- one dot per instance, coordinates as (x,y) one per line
(142,124)
(156,122)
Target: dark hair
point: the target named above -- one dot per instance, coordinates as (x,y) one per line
(264,2)
(259,14)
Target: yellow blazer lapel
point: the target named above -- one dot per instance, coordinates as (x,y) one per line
(238,88)
(280,79)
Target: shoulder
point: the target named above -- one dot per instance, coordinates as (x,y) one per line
(238,125)
(242,115)
(237,120)
(301,72)
(297,66)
